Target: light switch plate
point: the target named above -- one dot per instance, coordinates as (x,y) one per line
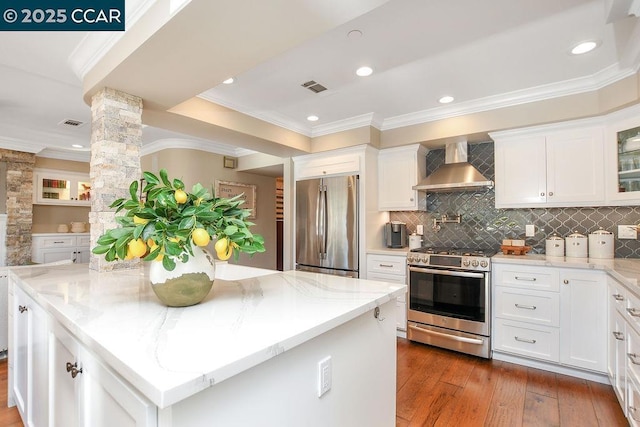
(324,376)
(530,230)
(420,229)
(627,232)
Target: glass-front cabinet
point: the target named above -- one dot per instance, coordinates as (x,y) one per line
(55,187)
(628,159)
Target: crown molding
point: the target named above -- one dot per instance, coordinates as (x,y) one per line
(272,118)
(24,145)
(208,146)
(60,154)
(367,119)
(590,83)
(95,45)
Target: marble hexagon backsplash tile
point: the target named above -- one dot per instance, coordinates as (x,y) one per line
(484,227)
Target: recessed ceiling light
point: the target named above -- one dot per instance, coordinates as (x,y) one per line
(584,47)
(364,71)
(228,81)
(445,99)
(354,34)
(77,146)
(312,118)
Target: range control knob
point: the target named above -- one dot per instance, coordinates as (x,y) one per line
(465,262)
(409,258)
(484,264)
(474,263)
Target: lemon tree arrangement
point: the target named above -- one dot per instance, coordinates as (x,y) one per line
(165,225)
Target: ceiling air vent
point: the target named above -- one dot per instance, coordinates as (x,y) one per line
(314,86)
(72,123)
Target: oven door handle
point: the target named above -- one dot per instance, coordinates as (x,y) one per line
(447,272)
(447,336)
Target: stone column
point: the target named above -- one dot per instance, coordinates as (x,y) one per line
(116,139)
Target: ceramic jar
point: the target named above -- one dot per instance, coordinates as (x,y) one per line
(601,244)
(554,246)
(576,245)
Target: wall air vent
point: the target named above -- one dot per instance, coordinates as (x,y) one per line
(72,123)
(314,86)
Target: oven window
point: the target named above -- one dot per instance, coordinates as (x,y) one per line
(451,296)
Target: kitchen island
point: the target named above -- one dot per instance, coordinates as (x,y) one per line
(249,354)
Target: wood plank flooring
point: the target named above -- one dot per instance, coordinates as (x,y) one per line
(437,387)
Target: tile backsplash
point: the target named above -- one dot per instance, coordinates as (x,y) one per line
(483,226)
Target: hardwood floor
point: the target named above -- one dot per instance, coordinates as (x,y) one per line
(9,417)
(437,387)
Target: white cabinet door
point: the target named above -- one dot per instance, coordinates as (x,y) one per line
(57,187)
(53,255)
(391,268)
(575,167)
(399,169)
(616,357)
(583,305)
(30,364)
(520,172)
(95,397)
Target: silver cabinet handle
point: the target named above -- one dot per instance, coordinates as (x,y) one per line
(527,307)
(447,336)
(58,242)
(565,281)
(550,193)
(386,265)
(73,369)
(528,279)
(22,308)
(542,194)
(634,312)
(633,357)
(525,340)
(619,336)
(618,297)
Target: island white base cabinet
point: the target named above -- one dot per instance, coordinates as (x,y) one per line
(284,390)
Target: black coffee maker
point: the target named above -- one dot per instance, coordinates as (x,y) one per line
(395,234)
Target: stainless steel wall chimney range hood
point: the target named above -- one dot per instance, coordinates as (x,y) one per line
(456,174)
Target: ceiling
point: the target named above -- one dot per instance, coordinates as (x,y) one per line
(485,54)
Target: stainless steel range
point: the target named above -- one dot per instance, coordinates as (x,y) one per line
(449,299)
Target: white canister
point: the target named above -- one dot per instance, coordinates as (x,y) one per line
(415,241)
(576,245)
(601,244)
(554,246)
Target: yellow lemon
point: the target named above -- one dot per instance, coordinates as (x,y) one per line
(221,245)
(181,196)
(137,248)
(152,248)
(150,242)
(225,255)
(200,237)
(138,220)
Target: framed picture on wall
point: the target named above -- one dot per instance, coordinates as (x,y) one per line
(230,189)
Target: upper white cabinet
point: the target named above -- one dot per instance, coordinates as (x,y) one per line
(622,138)
(399,169)
(326,164)
(550,166)
(55,187)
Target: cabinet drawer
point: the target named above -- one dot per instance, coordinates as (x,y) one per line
(389,264)
(54,241)
(537,341)
(633,354)
(632,311)
(542,308)
(527,277)
(633,409)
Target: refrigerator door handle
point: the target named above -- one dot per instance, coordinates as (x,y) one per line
(322,217)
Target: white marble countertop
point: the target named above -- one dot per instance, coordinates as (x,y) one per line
(169,354)
(625,270)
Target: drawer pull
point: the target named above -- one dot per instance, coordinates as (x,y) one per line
(527,279)
(527,307)
(634,358)
(618,297)
(58,242)
(22,308)
(525,340)
(634,312)
(386,265)
(619,336)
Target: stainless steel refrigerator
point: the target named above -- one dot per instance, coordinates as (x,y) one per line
(327,225)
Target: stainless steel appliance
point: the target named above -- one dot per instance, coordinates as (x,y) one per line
(327,225)
(395,234)
(449,299)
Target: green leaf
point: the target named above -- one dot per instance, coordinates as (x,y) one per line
(177,184)
(111,255)
(164,177)
(153,254)
(151,178)
(106,239)
(168,263)
(133,190)
(230,230)
(116,203)
(187,223)
(99,250)
(137,232)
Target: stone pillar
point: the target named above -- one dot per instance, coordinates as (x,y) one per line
(116,139)
(19,187)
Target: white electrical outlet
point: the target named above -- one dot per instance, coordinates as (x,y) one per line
(627,232)
(324,376)
(420,229)
(530,230)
